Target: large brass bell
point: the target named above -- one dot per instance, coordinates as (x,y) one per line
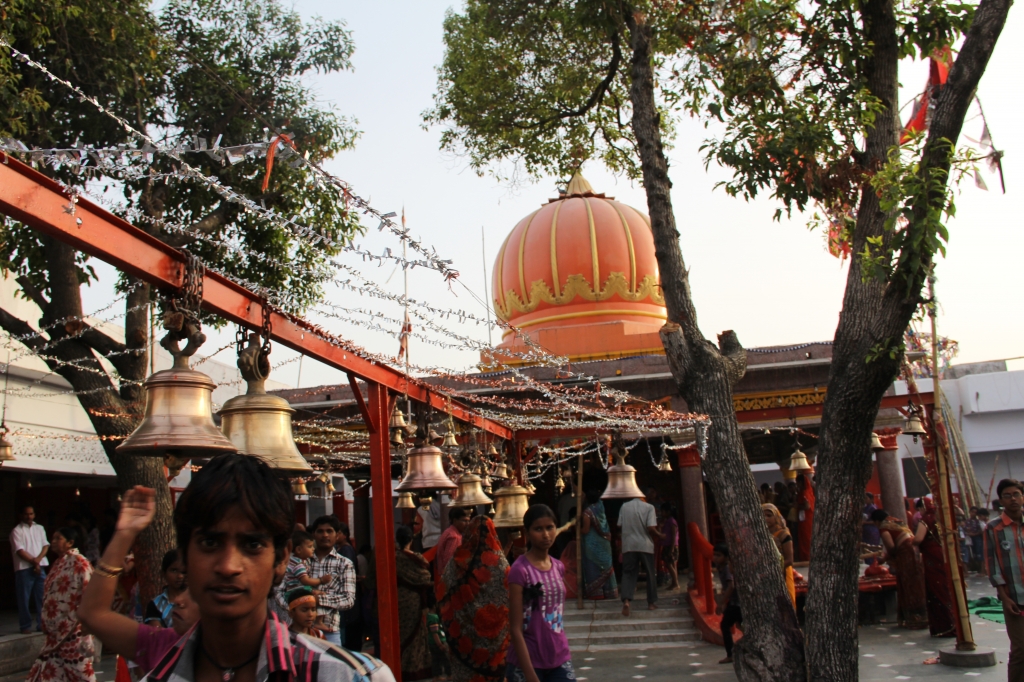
(914,427)
(260,424)
(425,471)
(179,416)
(500,471)
(470,492)
(405,501)
(621,482)
(798,461)
(510,504)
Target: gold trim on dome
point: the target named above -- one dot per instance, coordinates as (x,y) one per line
(577,285)
(522,248)
(554,247)
(501,265)
(595,262)
(767,401)
(629,241)
(586,313)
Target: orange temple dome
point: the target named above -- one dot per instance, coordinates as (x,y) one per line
(579,276)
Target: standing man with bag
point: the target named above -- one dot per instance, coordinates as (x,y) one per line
(639,524)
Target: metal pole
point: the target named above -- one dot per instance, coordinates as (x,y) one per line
(581,580)
(965,635)
(487,293)
(405,319)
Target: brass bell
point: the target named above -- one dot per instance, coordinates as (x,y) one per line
(470,492)
(449,440)
(397,420)
(913,426)
(530,489)
(299,487)
(425,471)
(260,424)
(621,482)
(798,461)
(174,464)
(492,451)
(433,435)
(179,416)
(500,471)
(426,501)
(876,443)
(787,473)
(328,482)
(405,501)
(6,449)
(664,464)
(510,504)
(397,439)
(559,483)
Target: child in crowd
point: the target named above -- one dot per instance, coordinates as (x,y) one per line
(441,666)
(297,573)
(158,611)
(302,609)
(143,644)
(727,602)
(536,586)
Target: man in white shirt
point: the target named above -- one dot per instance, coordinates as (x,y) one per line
(28,549)
(639,523)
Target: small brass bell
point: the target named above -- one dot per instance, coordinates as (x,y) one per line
(174,464)
(530,490)
(426,501)
(914,427)
(328,482)
(500,471)
(664,464)
(6,449)
(876,443)
(397,420)
(492,451)
(449,440)
(179,416)
(425,471)
(787,473)
(397,439)
(470,492)
(299,487)
(798,461)
(510,504)
(621,482)
(405,501)
(260,424)
(559,483)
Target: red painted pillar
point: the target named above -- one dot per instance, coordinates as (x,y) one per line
(383,528)
(694,510)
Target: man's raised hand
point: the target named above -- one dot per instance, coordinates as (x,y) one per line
(137,509)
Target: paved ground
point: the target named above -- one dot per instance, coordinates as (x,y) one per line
(887,653)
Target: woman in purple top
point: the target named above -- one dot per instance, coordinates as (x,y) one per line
(536,587)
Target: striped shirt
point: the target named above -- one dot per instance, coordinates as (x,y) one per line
(337,596)
(285,657)
(1004,555)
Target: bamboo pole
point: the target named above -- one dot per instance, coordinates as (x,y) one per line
(965,634)
(581,579)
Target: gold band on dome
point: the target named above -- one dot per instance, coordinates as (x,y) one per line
(554,247)
(586,313)
(501,266)
(577,285)
(522,247)
(593,245)
(629,242)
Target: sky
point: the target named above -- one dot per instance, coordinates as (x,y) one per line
(772,282)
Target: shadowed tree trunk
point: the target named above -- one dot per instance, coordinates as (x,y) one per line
(772,644)
(874,318)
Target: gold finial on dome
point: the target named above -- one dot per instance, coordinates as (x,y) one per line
(578,186)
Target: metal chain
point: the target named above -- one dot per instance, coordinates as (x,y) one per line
(192,284)
(265,329)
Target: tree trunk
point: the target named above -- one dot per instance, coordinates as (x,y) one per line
(772,644)
(874,317)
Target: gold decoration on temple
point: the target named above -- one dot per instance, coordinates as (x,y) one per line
(577,285)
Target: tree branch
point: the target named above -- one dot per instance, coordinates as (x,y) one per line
(734,354)
(15,326)
(33,292)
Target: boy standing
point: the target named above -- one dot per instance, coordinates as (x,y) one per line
(728,603)
(1004,547)
(233,523)
(302,609)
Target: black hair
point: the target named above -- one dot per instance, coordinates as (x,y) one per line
(879,515)
(22,508)
(299,537)
(457,513)
(365,549)
(982,511)
(870,497)
(71,534)
(722,549)
(593,496)
(343,528)
(328,520)
(168,560)
(1008,483)
(303,591)
(538,511)
(919,503)
(667,507)
(242,482)
(403,536)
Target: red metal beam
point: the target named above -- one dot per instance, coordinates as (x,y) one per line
(777,413)
(384,529)
(36,200)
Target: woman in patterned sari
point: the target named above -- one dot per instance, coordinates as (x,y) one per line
(784,541)
(936,580)
(67,653)
(474,609)
(414,586)
(899,550)
(597,551)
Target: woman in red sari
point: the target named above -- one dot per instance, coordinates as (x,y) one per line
(805,517)
(898,544)
(936,582)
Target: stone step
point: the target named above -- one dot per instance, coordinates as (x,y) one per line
(636,637)
(579,648)
(625,625)
(571,615)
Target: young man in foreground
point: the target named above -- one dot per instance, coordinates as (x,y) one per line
(1004,543)
(233,524)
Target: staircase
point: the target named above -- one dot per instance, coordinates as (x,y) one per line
(600,626)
